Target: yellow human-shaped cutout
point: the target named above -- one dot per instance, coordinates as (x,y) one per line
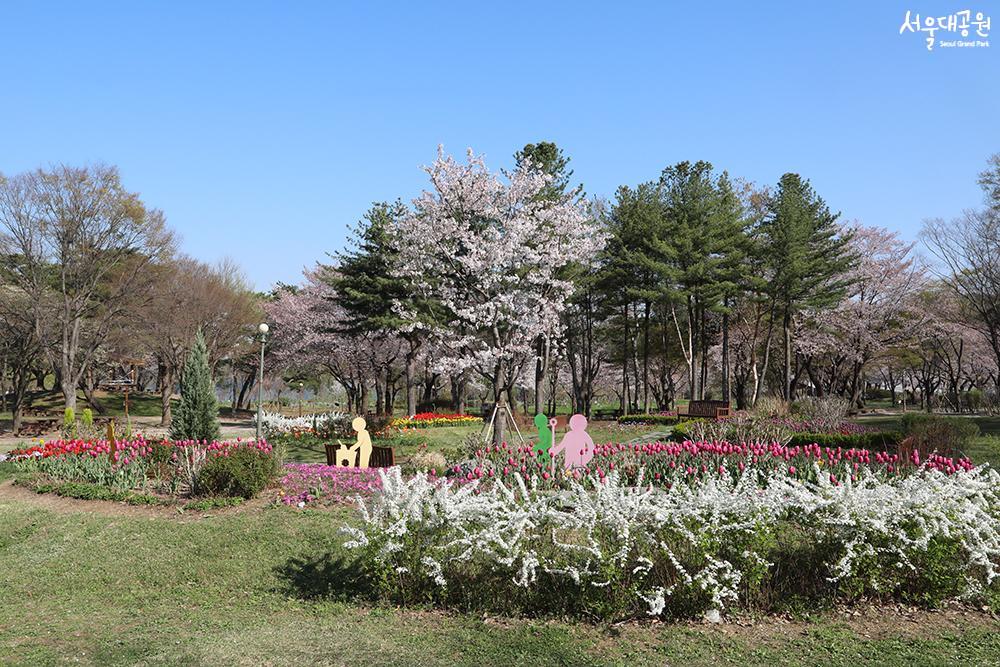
(345,456)
(363,447)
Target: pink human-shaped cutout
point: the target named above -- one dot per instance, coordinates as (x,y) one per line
(576,446)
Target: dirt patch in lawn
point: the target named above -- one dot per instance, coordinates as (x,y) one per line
(55,503)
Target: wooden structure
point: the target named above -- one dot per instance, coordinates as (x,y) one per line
(125,378)
(605,415)
(706,409)
(382,457)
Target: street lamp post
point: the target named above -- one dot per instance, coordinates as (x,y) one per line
(262,329)
(301,385)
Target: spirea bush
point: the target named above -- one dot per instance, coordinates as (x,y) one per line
(610,551)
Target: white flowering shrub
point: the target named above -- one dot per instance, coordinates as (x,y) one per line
(274,424)
(606,550)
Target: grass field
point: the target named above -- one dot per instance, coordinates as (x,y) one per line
(274,586)
(103,584)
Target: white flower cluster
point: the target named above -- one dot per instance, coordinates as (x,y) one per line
(699,541)
(273,423)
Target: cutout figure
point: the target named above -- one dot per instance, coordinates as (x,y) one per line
(345,456)
(545,435)
(577,446)
(363,447)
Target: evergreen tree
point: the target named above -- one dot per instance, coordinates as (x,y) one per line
(197,415)
(807,257)
(548,158)
(367,285)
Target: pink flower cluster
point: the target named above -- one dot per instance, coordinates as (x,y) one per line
(665,463)
(305,483)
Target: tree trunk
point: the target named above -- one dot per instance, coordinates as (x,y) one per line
(645,360)
(541,365)
(625,401)
(410,374)
(726,388)
(786,390)
(500,420)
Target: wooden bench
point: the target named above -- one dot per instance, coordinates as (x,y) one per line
(382,457)
(706,409)
(606,415)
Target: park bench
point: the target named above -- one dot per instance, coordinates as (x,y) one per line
(382,457)
(706,409)
(605,415)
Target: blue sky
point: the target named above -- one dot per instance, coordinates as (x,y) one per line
(264,129)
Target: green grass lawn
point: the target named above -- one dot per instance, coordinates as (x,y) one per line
(113,403)
(274,586)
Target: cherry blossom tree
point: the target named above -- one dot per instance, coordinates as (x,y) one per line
(310,334)
(490,249)
(878,312)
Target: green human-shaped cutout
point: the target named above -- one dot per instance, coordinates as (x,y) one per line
(541,448)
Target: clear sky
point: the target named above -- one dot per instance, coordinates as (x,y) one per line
(264,129)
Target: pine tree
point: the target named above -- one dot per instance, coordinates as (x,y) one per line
(197,415)
(367,288)
(807,254)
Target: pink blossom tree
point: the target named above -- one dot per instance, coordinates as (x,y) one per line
(490,248)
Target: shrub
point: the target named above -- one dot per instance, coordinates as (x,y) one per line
(685,430)
(931,433)
(425,459)
(244,472)
(771,406)
(827,411)
(69,423)
(611,551)
(652,419)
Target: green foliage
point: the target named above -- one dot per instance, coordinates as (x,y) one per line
(243,473)
(804,248)
(87,419)
(216,503)
(91,491)
(548,158)
(685,430)
(196,417)
(937,432)
(662,420)
(69,422)
(887,441)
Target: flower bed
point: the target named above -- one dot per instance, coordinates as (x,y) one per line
(431,419)
(606,549)
(123,465)
(666,463)
(307,483)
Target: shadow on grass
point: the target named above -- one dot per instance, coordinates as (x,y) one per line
(326,577)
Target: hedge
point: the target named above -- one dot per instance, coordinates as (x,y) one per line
(661,420)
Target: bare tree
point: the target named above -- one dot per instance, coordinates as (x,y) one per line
(969,251)
(189,295)
(20,350)
(78,234)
